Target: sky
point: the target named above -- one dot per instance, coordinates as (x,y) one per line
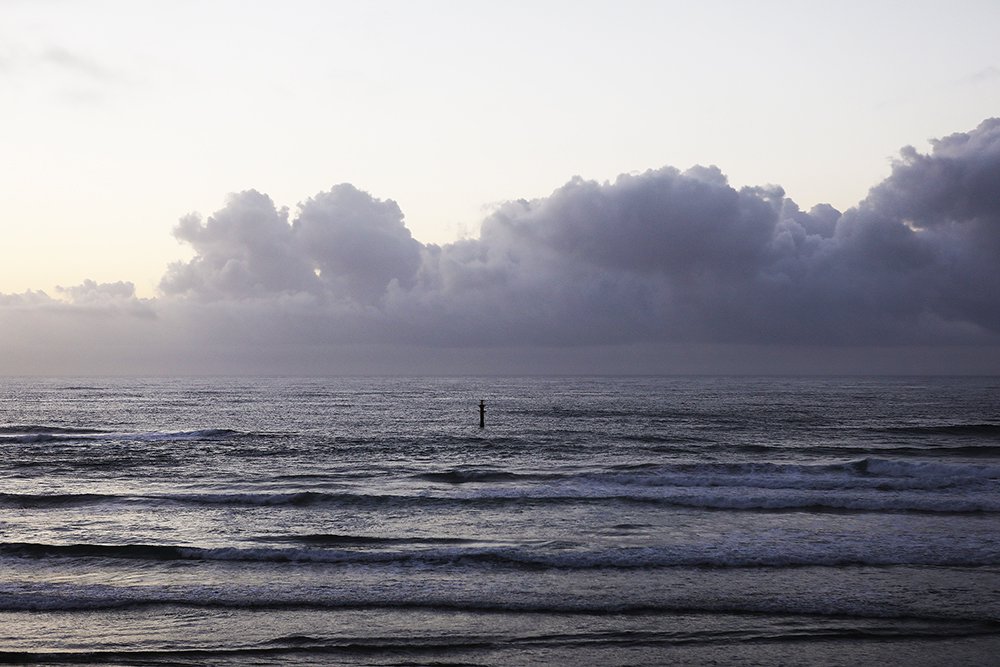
(307,187)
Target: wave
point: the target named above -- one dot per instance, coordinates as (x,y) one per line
(957,622)
(31,438)
(458,476)
(36,433)
(36,429)
(293,498)
(865,473)
(430,648)
(967,551)
(985,430)
(861,472)
(867,484)
(325,539)
(200,434)
(860,485)
(44,434)
(695,498)
(435,648)
(934,451)
(43,500)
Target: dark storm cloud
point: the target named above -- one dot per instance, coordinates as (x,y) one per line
(680,261)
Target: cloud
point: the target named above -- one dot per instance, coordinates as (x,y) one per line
(244,250)
(656,265)
(674,256)
(101,328)
(76,63)
(951,201)
(358,244)
(108,299)
(343,244)
(67,75)
(989,74)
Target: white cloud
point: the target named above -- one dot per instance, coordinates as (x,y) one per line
(663,259)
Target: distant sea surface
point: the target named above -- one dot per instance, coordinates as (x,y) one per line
(612,521)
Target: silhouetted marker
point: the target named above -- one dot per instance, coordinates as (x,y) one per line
(482,414)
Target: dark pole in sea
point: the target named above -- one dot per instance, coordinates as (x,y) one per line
(482,413)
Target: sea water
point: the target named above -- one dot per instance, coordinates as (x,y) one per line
(622,521)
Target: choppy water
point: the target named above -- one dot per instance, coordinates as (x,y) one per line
(594,521)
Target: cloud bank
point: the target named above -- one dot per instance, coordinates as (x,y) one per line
(657,271)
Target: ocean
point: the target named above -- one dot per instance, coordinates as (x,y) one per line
(593,521)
